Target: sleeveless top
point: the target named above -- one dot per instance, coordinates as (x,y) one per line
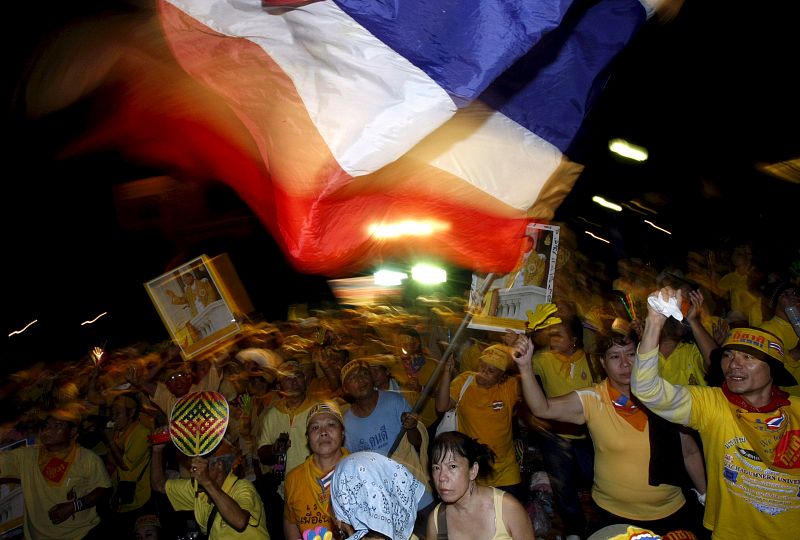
(500,532)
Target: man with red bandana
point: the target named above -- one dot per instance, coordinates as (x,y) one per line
(62,482)
(750,428)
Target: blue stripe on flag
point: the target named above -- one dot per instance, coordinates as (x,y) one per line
(543,62)
(463,45)
(550,90)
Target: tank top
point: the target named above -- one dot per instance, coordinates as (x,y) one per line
(500,531)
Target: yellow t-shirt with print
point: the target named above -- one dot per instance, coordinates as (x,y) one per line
(39,494)
(487,414)
(745,499)
(307,505)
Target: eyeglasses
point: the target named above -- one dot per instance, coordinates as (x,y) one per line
(176,376)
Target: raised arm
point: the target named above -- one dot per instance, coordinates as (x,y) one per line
(566,408)
(158,479)
(705,343)
(669,401)
(229,509)
(443,400)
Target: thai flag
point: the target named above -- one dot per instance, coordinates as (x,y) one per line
(775,422)
(775,346)
(348,125)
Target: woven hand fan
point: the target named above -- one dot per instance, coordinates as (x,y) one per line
(198,422)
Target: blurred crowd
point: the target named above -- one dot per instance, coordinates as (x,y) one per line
(363,383)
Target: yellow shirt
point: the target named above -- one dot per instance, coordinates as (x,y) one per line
(182,494)
(621,463)
(561,375)
(783,329)
(741,298)
(136,456)
(683,366)
(86,473)
(278,420)
(487,414)
(745,499)
(307,505)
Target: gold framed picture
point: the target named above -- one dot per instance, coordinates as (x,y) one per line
(195,306)
(506,304)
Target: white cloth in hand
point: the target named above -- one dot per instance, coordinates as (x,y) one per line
(668,308)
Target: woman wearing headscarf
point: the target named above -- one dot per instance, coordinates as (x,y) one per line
(374,494)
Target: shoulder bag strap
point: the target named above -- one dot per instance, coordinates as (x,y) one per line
(464,388)
(210,521)
(441,522)
(212,515)
(143,469)
(141,474)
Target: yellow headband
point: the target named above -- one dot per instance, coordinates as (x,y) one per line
(351,366)
(326,407)
(497,356)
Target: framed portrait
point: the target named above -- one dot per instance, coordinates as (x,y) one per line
(195,305)
(506,304)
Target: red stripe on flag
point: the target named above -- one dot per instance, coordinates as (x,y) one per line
(269,151)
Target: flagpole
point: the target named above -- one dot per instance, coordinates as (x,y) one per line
(434,378)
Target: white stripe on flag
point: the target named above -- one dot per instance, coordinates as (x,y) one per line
(493,153)
(368,103)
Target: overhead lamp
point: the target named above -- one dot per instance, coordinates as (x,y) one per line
(606,204)
(428,274)
(627,150)
(389,278)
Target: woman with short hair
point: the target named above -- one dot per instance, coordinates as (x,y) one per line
(470,510)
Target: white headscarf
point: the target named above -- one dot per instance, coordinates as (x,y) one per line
(374,493)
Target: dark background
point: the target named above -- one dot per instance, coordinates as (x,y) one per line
(710,94)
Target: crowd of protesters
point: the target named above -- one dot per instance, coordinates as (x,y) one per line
(317,404)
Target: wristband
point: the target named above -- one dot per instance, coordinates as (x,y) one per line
(77,505)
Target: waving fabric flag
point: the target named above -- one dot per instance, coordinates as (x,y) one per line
(349,125)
